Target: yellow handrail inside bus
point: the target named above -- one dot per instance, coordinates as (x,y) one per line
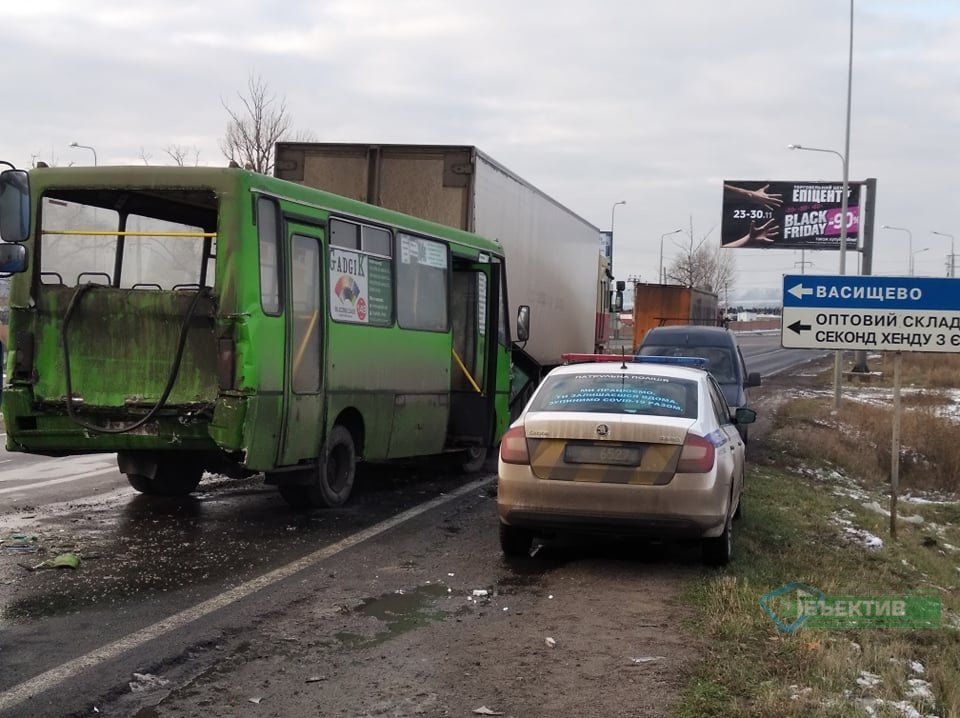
(97,232)
(466,372)
(301,350)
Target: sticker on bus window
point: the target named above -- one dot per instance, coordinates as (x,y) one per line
(428,253)
(348,286)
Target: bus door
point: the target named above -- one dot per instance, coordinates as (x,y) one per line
(303,347)
(475,320)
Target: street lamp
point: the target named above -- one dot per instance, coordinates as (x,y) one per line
(843,200)
(86,147)
(909,242)
(613,211)
(950,269)
(663,280)
(845,159)
(914,254)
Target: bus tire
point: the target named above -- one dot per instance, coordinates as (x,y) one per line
(473,459)
(170,479)
(332,479)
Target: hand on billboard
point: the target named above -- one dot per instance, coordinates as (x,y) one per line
(757,236)
(760,196)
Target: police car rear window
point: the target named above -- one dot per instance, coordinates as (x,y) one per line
(635,394)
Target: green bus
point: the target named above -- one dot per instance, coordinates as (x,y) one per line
(215,319)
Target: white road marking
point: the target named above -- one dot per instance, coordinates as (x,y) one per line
(47,680)
(61,480)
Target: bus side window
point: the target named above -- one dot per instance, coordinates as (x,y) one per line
(269,264)
(422,281)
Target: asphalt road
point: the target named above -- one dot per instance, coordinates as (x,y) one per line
(169,592)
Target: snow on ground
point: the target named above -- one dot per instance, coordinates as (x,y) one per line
(918,696)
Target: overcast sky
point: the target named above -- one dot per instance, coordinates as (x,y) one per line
(654,103)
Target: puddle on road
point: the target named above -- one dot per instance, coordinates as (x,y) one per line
(398,613)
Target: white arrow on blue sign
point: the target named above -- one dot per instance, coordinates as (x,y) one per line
(872,313)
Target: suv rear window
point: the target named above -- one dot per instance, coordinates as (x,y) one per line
(721,360)
(636,394)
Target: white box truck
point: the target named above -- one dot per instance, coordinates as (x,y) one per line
(553,255)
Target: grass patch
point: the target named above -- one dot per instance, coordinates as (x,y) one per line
(753,669)
(818,469)
(858,436)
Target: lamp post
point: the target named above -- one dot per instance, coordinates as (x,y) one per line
(845,159)
(950,265)
(914,254)
(843,201)
(838,356)
(613,212)
(663,279)
(909,242)
(86,147)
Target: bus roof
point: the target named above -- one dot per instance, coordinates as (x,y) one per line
(231,180)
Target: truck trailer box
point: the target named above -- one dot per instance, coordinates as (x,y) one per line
(552,254)
(657,305)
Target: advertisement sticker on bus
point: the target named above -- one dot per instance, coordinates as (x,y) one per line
(348,285)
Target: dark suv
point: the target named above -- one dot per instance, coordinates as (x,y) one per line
(715,344)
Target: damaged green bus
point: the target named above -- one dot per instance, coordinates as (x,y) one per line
(214,319)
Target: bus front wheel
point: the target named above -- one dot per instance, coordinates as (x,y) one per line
(331,481)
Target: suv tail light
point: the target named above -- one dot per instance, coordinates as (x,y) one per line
(697,455)
(513,447)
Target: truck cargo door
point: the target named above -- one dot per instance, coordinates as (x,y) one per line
(302,391)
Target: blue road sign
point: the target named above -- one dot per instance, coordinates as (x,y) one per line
(843,292)
(873,313)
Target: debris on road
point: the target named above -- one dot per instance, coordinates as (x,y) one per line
(146,682)
(640,660)
(484,711)
(550,642)
(64,560)
(20,543)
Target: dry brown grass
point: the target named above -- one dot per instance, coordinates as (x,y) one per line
(859,437)
(934,371)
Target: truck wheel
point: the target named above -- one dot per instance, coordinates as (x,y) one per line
(515,542)
(172,478)
(331,481)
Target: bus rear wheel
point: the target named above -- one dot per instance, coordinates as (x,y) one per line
(473,460)
(331,480)
(171,478)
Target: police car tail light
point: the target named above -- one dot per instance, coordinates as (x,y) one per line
(513,447)
(697,455)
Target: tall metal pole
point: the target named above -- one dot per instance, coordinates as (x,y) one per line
(86,147)
(663,279)
(844,207)
(950,264)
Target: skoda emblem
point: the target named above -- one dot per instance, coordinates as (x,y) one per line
(602,430)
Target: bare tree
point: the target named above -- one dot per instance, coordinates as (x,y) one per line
(256,127)
(182,155)
(704,266)
(145,156)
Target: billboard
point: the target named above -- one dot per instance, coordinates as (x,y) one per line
(788,215)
